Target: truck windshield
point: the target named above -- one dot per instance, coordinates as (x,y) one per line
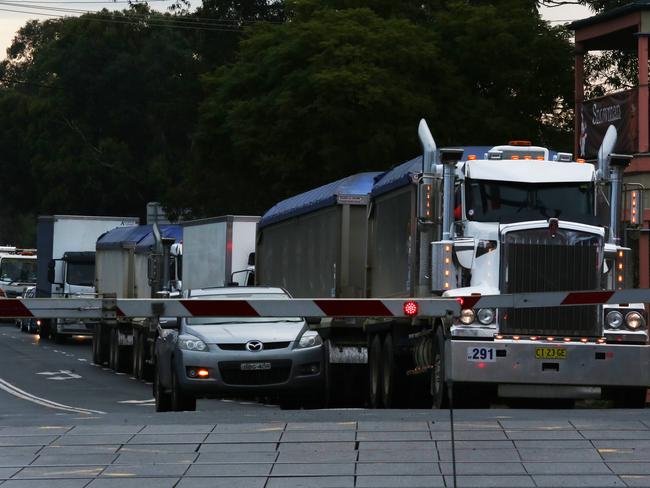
(505,202)
(80,274)
(17,270)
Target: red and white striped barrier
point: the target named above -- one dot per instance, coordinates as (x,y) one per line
(97,308)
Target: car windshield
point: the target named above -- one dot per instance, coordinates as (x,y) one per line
(242,320)
(17,270)
(80,274)
(504,202)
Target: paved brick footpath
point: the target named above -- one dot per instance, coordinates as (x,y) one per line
(498,453)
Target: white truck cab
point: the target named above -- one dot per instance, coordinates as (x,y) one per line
(17,271)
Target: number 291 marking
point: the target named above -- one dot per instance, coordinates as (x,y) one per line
(481,354)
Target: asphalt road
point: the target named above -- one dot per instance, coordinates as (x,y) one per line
(67,423)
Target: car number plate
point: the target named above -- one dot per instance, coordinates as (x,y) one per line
(550,353)
(481,354)
(255,366)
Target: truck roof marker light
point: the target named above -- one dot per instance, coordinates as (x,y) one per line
(539,158)
(516,338)
(528,158)
(498,336)
(410,308)
(550,338)
(533,338)
(471,157)
(600,340)
(514,157)
(520,143)
(567,339)
(580,161)
(584,340)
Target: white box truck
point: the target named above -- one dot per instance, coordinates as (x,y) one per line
(66,262)
(219,251)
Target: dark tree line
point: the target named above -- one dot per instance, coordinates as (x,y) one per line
(233,106)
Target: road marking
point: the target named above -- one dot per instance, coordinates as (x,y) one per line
(83,360)
(17,392)
(61,375)
(137,402)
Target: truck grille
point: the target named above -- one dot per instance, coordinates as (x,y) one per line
(534,261)
(231,373)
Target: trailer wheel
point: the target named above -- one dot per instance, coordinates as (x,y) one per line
(438,384)
(137,354)
(99,344)
(374,371)
(390,370)
(180,401)
(119,358)
(163,400)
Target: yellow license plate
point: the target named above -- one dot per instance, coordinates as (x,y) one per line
(550,353)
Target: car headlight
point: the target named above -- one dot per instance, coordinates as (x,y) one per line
(309,339)
(634,320)
(614,319)
(191,343)
(467,316)
(485,316)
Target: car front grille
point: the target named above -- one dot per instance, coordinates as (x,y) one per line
(267,346)
(232,374)
(535,261)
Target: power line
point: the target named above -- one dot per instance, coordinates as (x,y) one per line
(130,19)
(178,19)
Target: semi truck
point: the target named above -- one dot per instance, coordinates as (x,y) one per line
(467,222)
(142,261)
(66,264)
(161,261)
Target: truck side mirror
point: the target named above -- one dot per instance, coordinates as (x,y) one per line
(50,271)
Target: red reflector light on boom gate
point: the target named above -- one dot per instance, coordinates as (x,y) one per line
(410,308)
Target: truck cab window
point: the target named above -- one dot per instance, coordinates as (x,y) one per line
(80,274)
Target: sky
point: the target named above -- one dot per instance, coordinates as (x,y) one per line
(14,13)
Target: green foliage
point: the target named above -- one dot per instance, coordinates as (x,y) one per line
(340,90)
(101,115)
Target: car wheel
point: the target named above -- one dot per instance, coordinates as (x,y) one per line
(438,383)
(180,401)
(163,400)
(374,371)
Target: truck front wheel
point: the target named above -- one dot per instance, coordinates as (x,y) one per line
(438,384)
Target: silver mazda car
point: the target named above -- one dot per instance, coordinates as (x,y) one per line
(250,356)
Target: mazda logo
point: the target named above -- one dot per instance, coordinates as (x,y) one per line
(254,346)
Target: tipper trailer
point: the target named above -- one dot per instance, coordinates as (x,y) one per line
(134,262)
(469,222)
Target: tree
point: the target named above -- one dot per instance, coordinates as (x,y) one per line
(111,104)
(340,90)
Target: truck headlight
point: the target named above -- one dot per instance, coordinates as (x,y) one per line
(309,339)
(485,316)
(191,343)
(467,316)
(634,320)
(614,319)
